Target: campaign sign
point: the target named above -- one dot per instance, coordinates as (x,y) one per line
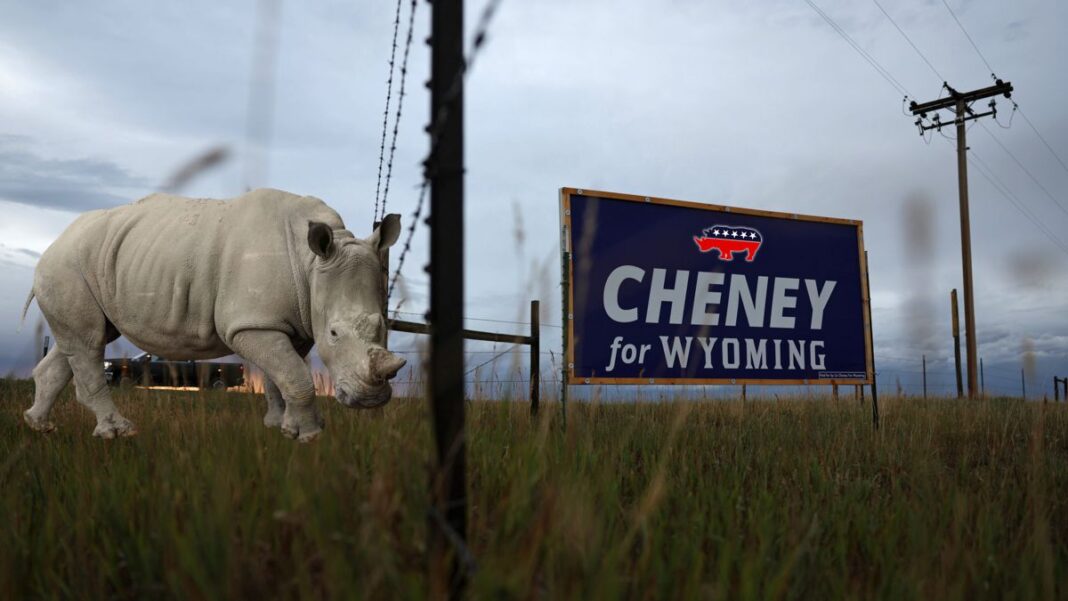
(672,292)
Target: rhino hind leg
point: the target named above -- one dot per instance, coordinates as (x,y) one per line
(92,391)
(49,378)
(81,333)
(282,365)
(276,405)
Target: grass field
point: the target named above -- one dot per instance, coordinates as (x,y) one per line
(714,500)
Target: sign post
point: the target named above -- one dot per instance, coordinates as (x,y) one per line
(663,291)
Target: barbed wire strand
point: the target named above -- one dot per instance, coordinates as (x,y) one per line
(487,319)
(385,112)
(491,359)
(400,106)
(436,128)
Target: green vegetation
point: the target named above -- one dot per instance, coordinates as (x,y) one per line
(714,500)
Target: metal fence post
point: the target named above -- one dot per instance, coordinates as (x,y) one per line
(445,167)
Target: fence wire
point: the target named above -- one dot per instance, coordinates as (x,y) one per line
(385,111)
(435,129)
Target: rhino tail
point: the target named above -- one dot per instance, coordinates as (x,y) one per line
(26,307)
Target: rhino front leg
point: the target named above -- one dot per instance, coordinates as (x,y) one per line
(276,406)
(273,352)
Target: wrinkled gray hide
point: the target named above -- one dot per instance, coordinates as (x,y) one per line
(266,275)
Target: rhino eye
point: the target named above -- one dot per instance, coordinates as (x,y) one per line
(333,332)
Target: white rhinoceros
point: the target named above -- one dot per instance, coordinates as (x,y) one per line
(266,275)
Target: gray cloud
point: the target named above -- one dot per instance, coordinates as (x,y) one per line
(65,184)
(1016,30)
(18,257)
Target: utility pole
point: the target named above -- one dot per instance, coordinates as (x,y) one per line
(961,105)
(448,554)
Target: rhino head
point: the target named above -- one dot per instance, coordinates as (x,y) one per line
(348,311)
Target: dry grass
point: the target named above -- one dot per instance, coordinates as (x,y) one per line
(721,500)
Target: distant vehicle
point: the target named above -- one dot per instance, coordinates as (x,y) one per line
(152,370)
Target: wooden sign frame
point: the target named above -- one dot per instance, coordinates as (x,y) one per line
(567,265)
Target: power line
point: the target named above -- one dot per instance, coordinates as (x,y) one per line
(965,32)
(1001,187)
(1016,107)
(998,185)
(909,40)
(385,112)
(864,54)
(1025,170)
(1041,137)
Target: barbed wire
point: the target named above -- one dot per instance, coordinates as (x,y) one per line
(466,352)
(385,112)
(486,319)
(491,359)
(400,106)
(436,128)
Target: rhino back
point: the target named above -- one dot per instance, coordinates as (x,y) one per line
(179,277)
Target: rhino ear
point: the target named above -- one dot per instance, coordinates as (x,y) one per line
(387,232)
(321,239)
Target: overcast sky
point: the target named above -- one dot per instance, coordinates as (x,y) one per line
(752,104)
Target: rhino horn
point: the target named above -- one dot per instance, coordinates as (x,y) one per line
(385,365)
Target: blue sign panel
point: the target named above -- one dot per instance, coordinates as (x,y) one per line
(665,292)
